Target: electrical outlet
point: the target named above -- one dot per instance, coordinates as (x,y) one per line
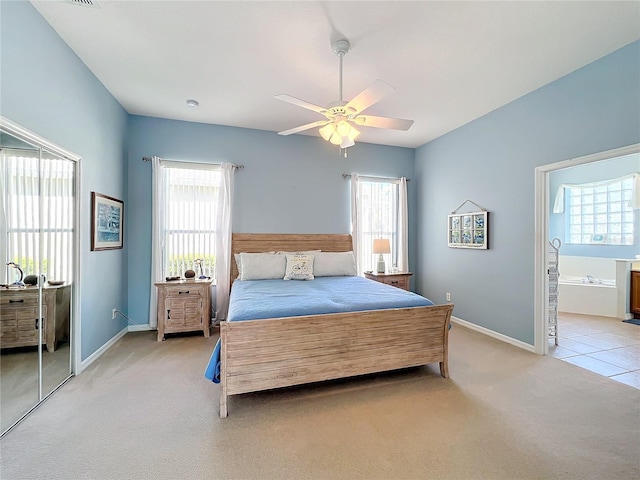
(113,314)
(448,296)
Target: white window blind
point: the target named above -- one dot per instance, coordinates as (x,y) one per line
(38,213)
(189,227)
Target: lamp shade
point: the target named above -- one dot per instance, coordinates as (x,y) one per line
(381,245)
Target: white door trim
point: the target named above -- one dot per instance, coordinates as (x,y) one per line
(541,215)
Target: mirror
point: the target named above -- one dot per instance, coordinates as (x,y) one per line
(37,264)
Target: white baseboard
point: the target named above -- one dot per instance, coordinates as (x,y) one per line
(95,355)
(491,333)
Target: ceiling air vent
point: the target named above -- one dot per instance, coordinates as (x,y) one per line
(84,3)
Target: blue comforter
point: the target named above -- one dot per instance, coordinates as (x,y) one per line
(259,299)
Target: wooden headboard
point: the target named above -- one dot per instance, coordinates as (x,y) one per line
(286,242)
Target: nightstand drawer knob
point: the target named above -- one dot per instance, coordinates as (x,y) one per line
(17,301)
(184,293)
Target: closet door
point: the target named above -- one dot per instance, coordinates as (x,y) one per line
(38,224)
(56,249)
(19,306)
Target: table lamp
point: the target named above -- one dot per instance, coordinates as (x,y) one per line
(19,282)
(380,246)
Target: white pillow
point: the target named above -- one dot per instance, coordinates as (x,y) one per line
(334,264)
(238,263)
(261,266)
(299,267)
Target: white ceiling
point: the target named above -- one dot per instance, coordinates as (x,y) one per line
(450,62)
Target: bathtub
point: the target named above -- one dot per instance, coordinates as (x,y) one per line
(590,296)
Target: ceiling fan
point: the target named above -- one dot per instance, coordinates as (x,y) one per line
(340,116)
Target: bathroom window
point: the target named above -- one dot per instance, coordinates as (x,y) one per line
(601,213)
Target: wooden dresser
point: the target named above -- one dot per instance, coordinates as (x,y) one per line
(400,280)
(19,319)
(184,306)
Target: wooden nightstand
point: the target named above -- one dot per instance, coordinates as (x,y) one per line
(400,280)
(184,306)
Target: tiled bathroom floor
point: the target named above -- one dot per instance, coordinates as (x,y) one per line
(604,345)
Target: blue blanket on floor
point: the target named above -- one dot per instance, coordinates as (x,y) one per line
(213,368)
(260,299)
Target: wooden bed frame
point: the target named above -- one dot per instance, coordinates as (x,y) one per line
(279,352)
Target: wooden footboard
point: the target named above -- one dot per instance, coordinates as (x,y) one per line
(272,353)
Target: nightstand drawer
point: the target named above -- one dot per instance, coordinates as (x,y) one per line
(399,280)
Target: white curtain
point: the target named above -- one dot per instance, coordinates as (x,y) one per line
(403,227)
(634,202)
(223,241)
(185,198)
(355,230)
(158,191)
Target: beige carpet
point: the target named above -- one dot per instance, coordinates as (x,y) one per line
(144,411)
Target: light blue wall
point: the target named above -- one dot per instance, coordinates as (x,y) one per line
(294,183)
(593,172)
(289,184)
(48,90)
(492,161)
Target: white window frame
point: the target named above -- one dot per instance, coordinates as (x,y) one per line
(373,225)
(178,230)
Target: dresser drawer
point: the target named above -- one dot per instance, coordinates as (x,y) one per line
(19,299)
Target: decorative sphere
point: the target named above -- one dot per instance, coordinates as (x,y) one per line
(189,274)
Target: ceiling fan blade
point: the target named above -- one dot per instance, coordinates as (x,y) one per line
(319,123)
(301,103)
(383,122)
(370,95)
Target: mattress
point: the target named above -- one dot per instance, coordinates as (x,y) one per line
(261,299)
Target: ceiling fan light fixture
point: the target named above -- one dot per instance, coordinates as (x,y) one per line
(343,128)
(327,131)
(347,142)
(353,133)
(335,139)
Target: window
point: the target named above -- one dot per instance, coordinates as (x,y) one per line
(381,213)
(39,213)
(189,202)
(601,213)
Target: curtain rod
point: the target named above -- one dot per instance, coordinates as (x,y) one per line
(148,159)
(348,175)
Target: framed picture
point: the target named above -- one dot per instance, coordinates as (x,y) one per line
(468,230)
(107,222)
